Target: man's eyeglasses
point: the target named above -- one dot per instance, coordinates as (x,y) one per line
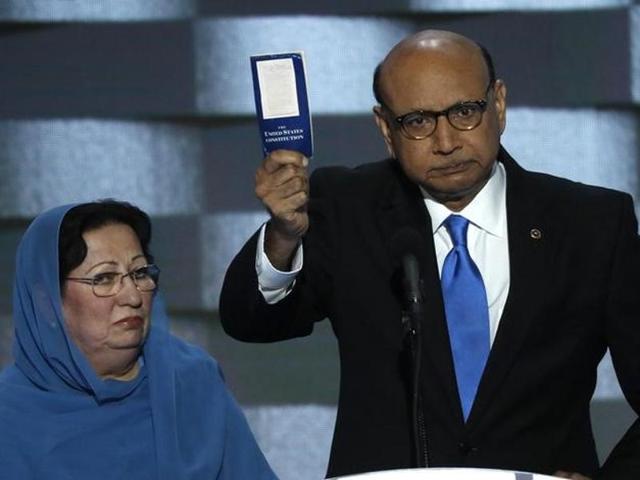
(108,284)
(463,116)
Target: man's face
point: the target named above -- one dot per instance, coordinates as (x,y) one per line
(450,164)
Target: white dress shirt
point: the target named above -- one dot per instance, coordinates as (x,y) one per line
(487,241)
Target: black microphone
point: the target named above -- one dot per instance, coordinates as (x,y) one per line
(413,293)
(408,253)
(407,250)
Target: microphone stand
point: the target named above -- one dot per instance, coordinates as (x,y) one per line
(411,319)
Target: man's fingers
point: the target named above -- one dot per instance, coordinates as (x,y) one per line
(293,186)
(284,208)
(284,182)
(285,174)
(279,158)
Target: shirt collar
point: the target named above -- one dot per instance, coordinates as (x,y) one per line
(486,211)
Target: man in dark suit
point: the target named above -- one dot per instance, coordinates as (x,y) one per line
(527,280)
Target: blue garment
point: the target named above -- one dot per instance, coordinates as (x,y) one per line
(59,420)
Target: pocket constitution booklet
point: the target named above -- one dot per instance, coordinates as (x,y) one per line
(282,103)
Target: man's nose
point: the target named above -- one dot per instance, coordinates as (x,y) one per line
(445,138)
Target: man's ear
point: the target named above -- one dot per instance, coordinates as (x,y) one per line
(500,94)
(385,131)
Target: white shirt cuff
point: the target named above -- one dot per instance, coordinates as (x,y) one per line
(275,284)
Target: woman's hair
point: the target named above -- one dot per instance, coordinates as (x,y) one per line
(72,248)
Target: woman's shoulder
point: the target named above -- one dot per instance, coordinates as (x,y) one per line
(187,357)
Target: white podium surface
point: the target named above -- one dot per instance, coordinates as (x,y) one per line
(447,474)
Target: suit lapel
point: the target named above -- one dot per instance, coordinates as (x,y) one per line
(402,206)
(531,235)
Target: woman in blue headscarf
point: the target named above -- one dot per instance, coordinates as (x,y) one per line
(99,388)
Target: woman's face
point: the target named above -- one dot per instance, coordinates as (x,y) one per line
(108,330)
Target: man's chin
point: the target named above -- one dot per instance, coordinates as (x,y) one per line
(448,192)
(454,186)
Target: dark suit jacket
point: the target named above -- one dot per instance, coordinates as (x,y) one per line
(574,292)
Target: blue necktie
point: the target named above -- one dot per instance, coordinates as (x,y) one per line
(465,304)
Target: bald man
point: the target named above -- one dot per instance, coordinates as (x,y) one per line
(527,280)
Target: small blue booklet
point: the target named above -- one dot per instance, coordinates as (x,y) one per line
(282,104)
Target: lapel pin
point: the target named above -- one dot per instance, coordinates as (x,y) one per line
(535,233)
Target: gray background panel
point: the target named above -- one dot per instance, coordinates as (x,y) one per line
(91,10)
(455,6)
(355,44)
(634,28)
(57,161)
(106,69)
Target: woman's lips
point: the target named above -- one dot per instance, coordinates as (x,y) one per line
(131,322)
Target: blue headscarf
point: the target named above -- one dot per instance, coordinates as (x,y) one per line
(59,420)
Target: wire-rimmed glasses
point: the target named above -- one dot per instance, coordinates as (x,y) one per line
(107,284)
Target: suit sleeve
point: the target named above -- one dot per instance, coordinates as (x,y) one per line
(244,313)
(623,337)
